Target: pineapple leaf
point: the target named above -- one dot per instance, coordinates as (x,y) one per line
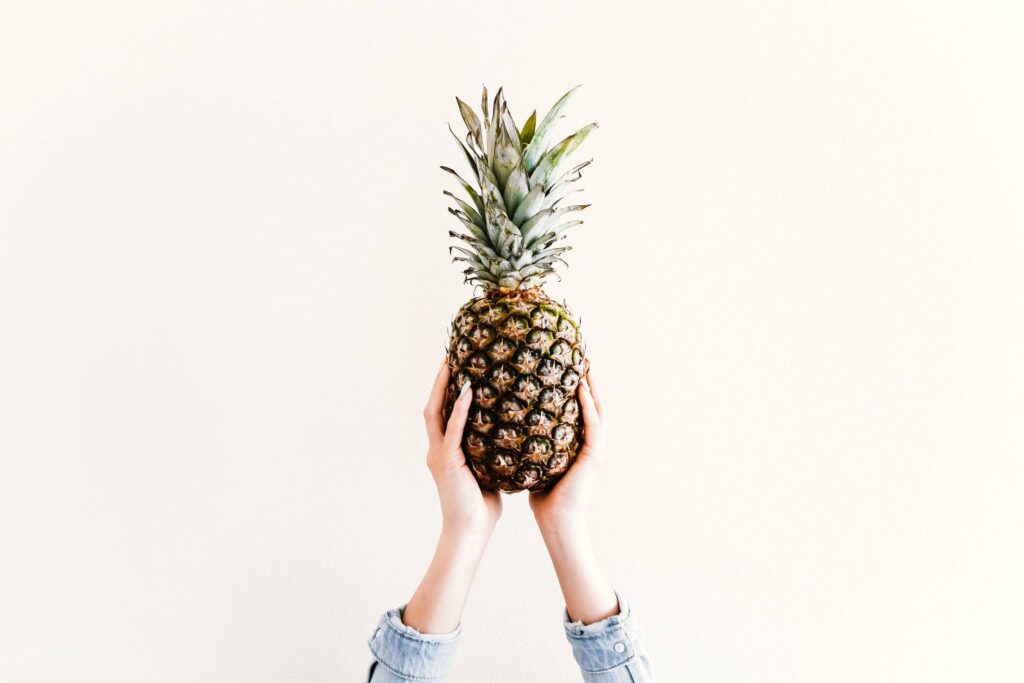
(483,104)
(536,149)
(473,194)
(505,155)
(492,130)
(469,157)
(548,166)
(473,214)
(472,122)
(535,225)
(511,129)
(575,171)
(517,187)
(473,228)
(526,134)
(531,204)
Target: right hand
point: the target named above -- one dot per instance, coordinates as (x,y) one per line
(465,507)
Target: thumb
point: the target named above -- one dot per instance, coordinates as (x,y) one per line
(457,421)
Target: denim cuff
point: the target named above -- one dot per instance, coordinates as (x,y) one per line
(407,653)
(605,645)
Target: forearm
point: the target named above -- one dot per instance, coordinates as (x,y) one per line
(437,604)
(588,594)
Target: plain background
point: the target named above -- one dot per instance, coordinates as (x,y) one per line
(224,290)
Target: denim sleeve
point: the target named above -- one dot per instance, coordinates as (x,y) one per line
(401,653)
(610,651)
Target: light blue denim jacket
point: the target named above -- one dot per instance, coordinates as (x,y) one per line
(607,652)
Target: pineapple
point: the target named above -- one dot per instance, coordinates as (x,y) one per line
(521,351)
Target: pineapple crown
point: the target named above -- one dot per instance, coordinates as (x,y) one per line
(514,218)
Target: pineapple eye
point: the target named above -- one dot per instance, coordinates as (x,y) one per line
(501,350)
(463,348)
(507,436)
(563,434)
(510,409)
(571,409)
(543,318)
(516,327)
(539,339)
(539,418)
(566,330)
(504,463)
(482,335)
(549,370)
(560,350)
(502,377)
(526,387)
(525,359)
(527,476)
(495,313)
(477,364)
(570,379)
(537,445)
(550,396)
(558,461)
(481,421)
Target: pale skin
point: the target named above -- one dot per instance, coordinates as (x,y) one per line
(470,514)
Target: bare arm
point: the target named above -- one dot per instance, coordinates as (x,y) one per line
(561,518)
(468,518)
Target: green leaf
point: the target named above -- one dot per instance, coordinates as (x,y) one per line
(516,188)
(473,194)
(526,134)
(474,229)
(537,144)
(473,214)
(535,225)
(531,204)
(469,157)
(492,130)
(506,155)
(472,122)
(548,166)
(510,127)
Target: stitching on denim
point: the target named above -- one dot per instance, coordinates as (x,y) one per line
(619,628)
(410,636)
(408,677)
(624,662)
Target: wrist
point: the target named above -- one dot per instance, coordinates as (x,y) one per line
(562,525)
(465,535)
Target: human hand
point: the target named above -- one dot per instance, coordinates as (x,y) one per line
(465,507)
(565,504)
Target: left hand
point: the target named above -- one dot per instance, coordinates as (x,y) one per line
(465,507)
(566,504)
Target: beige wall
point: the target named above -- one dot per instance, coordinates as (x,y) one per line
(224,288)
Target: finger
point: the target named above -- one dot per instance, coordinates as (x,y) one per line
(595,391)
(591,418)
(432,413)
(457,421)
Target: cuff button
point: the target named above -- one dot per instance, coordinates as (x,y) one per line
(620,648)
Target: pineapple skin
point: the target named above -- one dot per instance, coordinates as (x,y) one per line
(524,356)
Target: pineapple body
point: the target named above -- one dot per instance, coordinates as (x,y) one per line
(524,356)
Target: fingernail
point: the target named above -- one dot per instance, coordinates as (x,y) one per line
(465,389)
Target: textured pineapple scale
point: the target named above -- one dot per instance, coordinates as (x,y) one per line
(524,356)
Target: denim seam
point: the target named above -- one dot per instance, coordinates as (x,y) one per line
(618,628)
(623,663)
(405,676)
(410,636)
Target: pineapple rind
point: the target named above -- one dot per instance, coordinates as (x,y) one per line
(524,356)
